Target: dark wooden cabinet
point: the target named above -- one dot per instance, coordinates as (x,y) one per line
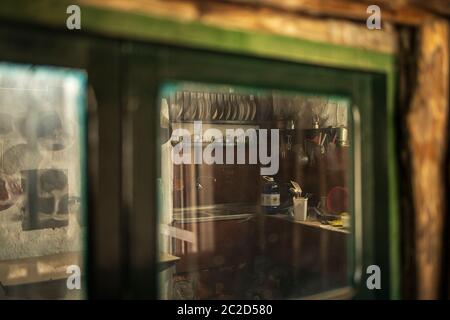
(221,243)
(262,257)
(313,258)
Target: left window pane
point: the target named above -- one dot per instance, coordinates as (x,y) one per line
(42,179)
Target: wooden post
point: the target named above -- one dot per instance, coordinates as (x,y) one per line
(427,126)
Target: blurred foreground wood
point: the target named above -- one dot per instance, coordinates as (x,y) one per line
(427,126)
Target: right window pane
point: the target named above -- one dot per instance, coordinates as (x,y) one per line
(255,199)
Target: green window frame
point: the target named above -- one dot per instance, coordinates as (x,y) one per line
(367,77)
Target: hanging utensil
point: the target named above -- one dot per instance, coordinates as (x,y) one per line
(247,108)
(175,106)
(220,106)
(240,108)
(194,105)
(227,106)
(253,106)
(201,106)
(186,106)
(207,106)
(214,107)
(234,107)
(322,144)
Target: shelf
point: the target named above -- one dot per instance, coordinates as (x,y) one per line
(166,261)
(314,224)
(38,269)
(167,258)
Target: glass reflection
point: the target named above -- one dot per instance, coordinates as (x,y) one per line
(254,193)
(41,182)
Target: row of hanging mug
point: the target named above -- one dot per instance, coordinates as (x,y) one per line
(207,106)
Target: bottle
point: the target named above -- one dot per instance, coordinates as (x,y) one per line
(270,197)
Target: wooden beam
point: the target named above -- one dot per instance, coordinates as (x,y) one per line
(260,19)
(401,12)
(440,7)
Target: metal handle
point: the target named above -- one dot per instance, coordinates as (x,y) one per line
(358,196)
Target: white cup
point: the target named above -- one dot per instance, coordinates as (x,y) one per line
(300,209)
(345,220)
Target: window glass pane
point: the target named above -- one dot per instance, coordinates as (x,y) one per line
(254,193)
(41,182)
